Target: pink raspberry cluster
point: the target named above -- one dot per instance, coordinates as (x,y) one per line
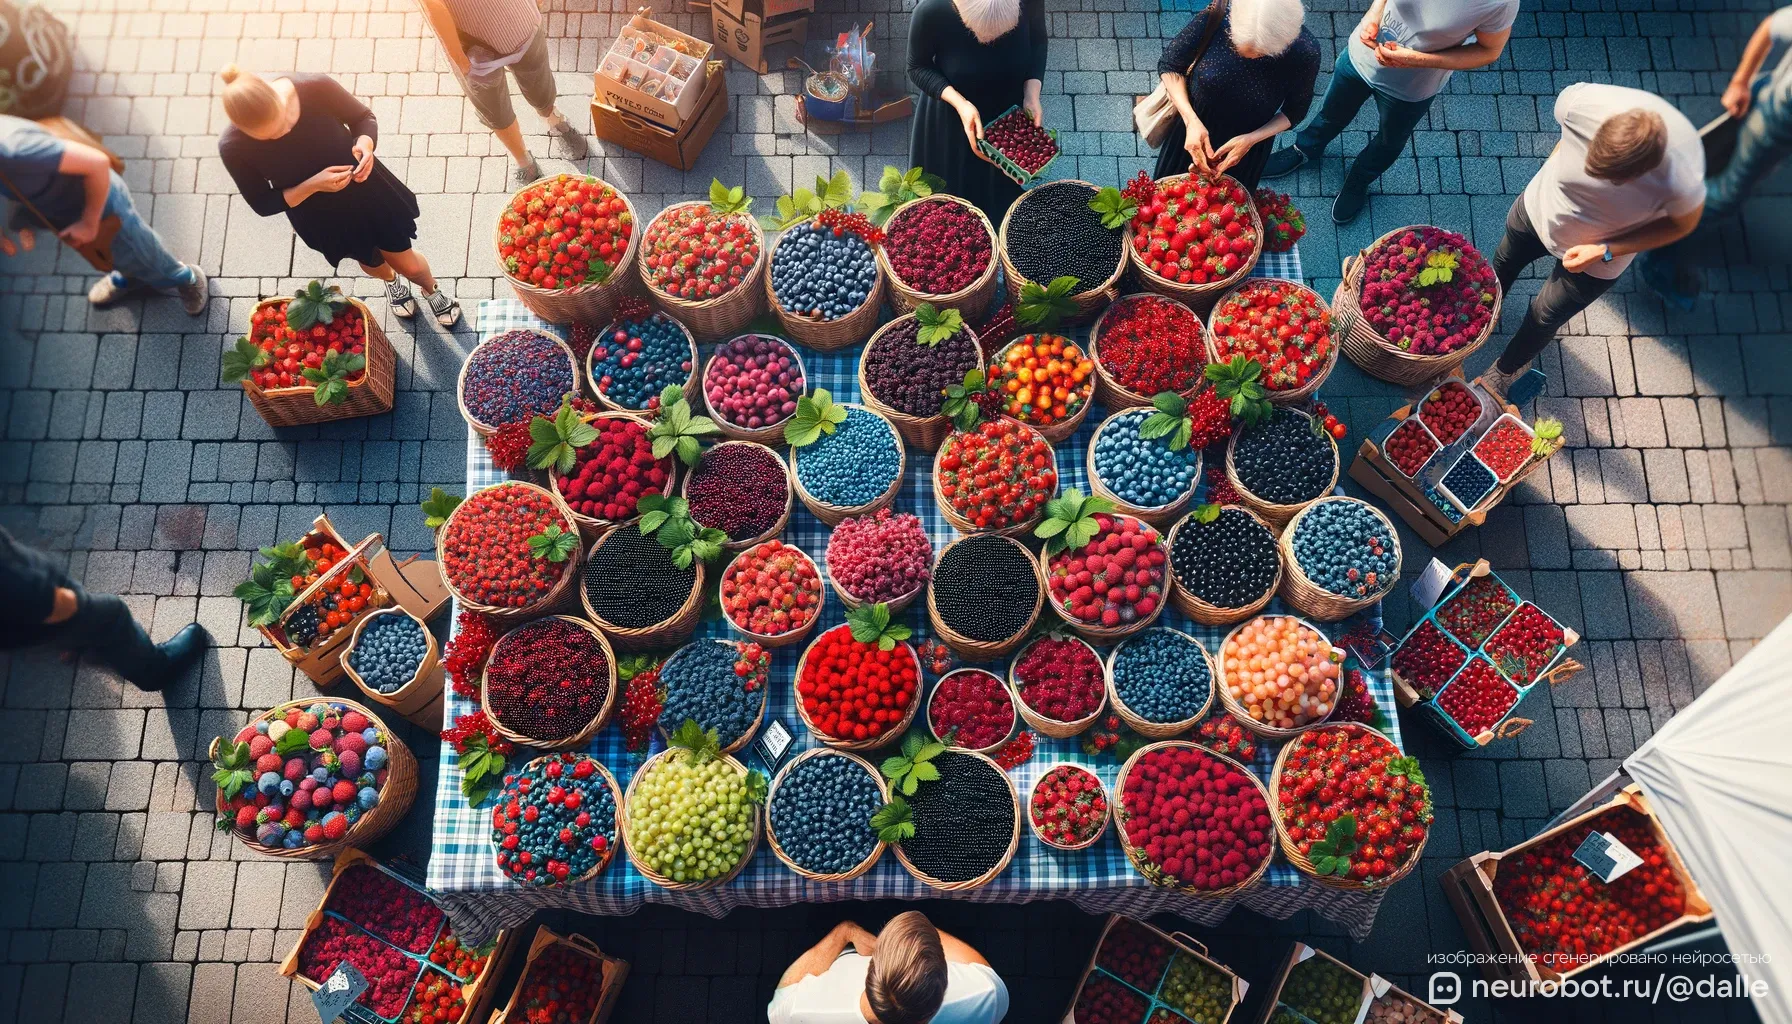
(386,907)
(389,972)
(1061,678)
(880,557)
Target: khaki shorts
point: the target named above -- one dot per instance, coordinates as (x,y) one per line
(491,96)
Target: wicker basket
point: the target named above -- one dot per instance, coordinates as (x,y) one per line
(460,386)
(620,821)
(1161,730)
(972,300)
(591,303)
(668,633)
(1275,514)
(425,687)
(1314,601)
(1212,614)
(741,741)
(924,432)
(395,796)
(851,603)
(1373,353)
(1137,856)
(1292,396)
(1268,732)
(795,636)
(1097,634)
(771,834)
(888,738)
(724,315)
(684,491)
(591,377)
(1201,297)
(628,799)
(963,525)
(831,514)
(828,335)
(590,529)
(1051,727)
(1160,516)
(549,602)
(1001,865)
(772,435)
(1033,826)
(981,651)
(1062,430)
(927,714)
(1300,860)
(1088,302)
(590,729)
(368,396)
(1111,393)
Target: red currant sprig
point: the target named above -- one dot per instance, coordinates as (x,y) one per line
(843,223)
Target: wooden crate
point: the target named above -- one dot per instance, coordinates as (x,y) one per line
(369,396)
(1469,888)
(1181,944)
(1298,954)
(615,972)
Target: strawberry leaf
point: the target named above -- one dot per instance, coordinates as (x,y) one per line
(704,744)
(816,414)
(1207,513)
(676,429)
(872,624)
(1044,306)
(724,200)
(937,325)
(894,821)
(1069,522)
(242,360)
(314,304)
(438,506)
(554,544)
(1114,207)
(960,402)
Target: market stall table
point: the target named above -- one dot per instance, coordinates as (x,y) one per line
(1099,879)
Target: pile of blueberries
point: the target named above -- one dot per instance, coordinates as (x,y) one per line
(821,814)
(701,685)
(1162,676)
(1344,547)
(554,820)
(636,359)
(1469,480)
(1143,473)
(514,376)
(854,465)
(821,275)
(389,652)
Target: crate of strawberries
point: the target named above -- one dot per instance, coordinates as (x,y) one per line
(1019,146)
(1139,974)
(316,356)
(566,980)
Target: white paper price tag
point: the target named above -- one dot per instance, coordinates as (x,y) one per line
(1603,855)
(1431,583)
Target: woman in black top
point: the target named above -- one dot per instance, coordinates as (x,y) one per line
(301,145)
(972,60)
(1254,79)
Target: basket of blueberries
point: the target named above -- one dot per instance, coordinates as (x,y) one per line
(394,659)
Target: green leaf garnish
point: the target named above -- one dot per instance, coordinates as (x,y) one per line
(554,544)
(894,188)
(937,325)
(894,821)
(314,304)
(233,769)
(1043,306)
(872,624)
(816,414)
(267,592)
(1207,513)
(1170,419)
(677,430)
(239,362)
(555,443)
(293,741)
(1440,268)
(1115,207)
(906,771)
(1331,855)
(1240,382)
(1069,522)
(704,744)
(438,506)
(724,200)
(960,402)
(331,379)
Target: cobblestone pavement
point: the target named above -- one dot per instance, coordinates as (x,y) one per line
(1662,535)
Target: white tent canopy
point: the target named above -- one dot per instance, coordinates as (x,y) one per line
(1719,775)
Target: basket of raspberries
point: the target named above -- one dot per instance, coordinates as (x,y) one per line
(704,262)
(611,474)
(1425,300)
(940,250)
(1193,820)
(858,685)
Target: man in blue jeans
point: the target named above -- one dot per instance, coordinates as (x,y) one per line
(72,186)
(1762,103)
(1401,55)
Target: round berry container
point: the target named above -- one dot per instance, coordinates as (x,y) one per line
(1116,396)
(1288,396)
(591,303)
(1237,710)
(924,432)
(684,491)
(1137,856)
(1161,730)
(771,834)
(933,730)
(423,693)
(1374,354)
(1033,826)
(1201,297)
(1062,430)
(724,315)
(794,636)
(590,529)
(460,386)
(973,299)
(1088,302)
(556,595)
(771,434)
(603,399)
(662,881)
(1314,601)
(669,632)
(1275,514)
(1159,516)
(854,603)
(395,797)
(616,796)
(752,730)
(960,523)
(982,651)
(1042,724)
(1212,614)
(831,514)
(591,728)
(828,335)
(885,739)
(1099,634)
(1000,866)
(1291,850)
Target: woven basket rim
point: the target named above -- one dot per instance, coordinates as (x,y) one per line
(882,739)
(1301,862)
(431,653)
(460,383)
(307,389)
(618,270)
(1136,856)
(1237,710)
(693,600)
(547,600)
(1087,387)
(777,528)
(1275,545)
(965,526)
(1001,864)
(618,822)
(661,880)
(1153,279)
(996,648)
(1107,817)
(796,322)
(1014,711)
(1132,718)
(585,732)
(690,379)
(1351,285)
(771,833)
(771,429)
(939,298)
(747,282)
(1020,701)
(791,635)
(1094,346)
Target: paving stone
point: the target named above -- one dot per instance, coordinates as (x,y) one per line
(161,995)
(206,894)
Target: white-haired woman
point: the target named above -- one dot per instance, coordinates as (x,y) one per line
(1239,72)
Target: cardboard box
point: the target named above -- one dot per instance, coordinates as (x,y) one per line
(685,69)
(1181,945)
(678,148)
(739,9)
(614,970)
(747,38)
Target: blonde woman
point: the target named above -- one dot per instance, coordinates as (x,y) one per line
(299,144)
(909,973)
(1254,65)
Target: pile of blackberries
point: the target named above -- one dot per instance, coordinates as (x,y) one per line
(1284,460)
(821,814)
(821,275)
(1228,562)
(911,377)
(1053,233)
(985,587)
(631,582)
(963,822)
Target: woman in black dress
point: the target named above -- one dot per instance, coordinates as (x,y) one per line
(299,144)
(1255,79)
(972,60)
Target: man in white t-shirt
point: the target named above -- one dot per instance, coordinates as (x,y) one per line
(1627,176)
(1402,55)
(909,973)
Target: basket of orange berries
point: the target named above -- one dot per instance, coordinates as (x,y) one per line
(1046,381)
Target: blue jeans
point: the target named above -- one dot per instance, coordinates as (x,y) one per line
(1343,98)
(138,255)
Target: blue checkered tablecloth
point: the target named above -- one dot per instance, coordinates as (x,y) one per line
(1099,879)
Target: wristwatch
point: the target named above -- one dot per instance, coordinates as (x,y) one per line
(1607,258)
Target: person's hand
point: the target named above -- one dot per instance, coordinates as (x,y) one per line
(63,605)
(973,127)
(1737,98)
(863,942)
(1393,55)
(1580,257)
(1231,152)
(1198,145)
(1371,30)
(80,232)
(363,151)
(1034,109)
(331,179)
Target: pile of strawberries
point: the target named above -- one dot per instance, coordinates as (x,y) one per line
(971,708)
(290,351)
(1526,644)
(1505,448)
(1196,822)
(1068,807)
(560,986)
(1450,410)
(1409,447)
(457,958)
(486,555)
(436,999)
(999,474)
(1284,326)
(1115,579)
(1340,770)
(771,589)
(1195,230)
(614,472)
(852,690)
(1224,734)
(564,232)
(1427,659)
(692,252)
(1477,698)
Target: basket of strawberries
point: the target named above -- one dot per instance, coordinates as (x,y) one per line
(568,243)
(1282,325)
(703,262)
(1352,811)
(508,552)
(314,357)
(1193,236)
(1423,298)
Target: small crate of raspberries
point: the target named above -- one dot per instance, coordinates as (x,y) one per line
(1141,975)
(1021,147)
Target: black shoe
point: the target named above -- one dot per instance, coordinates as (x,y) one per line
(568,142)
(1349,204)
(1283,162)
(179,653)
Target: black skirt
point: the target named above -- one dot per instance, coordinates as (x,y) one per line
(936,142)
(361,221)
(1173,159)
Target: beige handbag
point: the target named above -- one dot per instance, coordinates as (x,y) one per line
(1154,114)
